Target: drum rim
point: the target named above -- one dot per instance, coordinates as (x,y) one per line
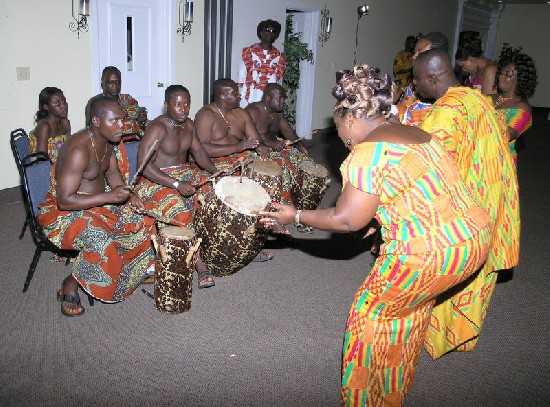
(232,206)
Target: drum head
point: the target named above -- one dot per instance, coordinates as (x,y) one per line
(268,167)
(246,197)
(316,170)
(177,232)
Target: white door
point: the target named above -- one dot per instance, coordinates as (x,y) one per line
(136,36)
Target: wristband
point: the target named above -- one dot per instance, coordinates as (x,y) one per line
(176,184)
(297,218)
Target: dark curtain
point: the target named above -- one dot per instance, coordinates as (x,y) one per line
(218,28)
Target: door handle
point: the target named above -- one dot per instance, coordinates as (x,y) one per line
(160,85)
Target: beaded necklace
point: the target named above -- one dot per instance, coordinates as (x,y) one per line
(176,124)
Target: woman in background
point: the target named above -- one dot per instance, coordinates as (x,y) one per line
(482,70)
(516,83)
(52,125)
(435,236)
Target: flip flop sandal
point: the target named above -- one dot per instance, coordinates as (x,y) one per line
(262,257)
(72,299)
(203,275)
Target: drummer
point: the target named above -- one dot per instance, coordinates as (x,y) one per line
(166,186)
(271,124)
(227,132)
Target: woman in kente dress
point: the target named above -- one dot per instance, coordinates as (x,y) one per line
(516,83)
(435,236)
(52,125)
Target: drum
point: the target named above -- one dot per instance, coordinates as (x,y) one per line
(227,221)
(310,184)
(177,252)
(269,175)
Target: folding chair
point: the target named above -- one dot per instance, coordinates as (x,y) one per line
(19,142)
(36,169)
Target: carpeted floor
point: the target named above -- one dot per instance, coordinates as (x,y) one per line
(271,334)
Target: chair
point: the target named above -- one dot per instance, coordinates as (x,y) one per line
(19,142)
(36,169)
(132,153)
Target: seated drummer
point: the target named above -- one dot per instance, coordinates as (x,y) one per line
(167,183)
(90,208)
(135,117)
(271,123)
(227,132)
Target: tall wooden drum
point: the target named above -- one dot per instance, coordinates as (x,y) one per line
(269,175)
(311,182)
(177,252)
(227,221)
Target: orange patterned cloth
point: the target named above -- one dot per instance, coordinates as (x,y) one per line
(166,204)
(114,245)
(466,124)
(289,158)
(435,235)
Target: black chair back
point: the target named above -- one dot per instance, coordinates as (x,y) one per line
(132,152)
(19,142)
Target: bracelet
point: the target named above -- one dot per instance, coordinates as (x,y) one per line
(297,218)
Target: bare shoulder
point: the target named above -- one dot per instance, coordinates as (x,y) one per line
(204,112)
(399,134)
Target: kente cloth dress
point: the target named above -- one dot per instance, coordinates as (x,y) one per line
(54,144)
(518,119)
(435,236)
(465,123)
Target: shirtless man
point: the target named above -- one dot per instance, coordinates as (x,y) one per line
(227,132)
(80,213)
(270,121)
(167,187)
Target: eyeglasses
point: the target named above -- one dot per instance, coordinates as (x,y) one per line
(269,30)
(510,74)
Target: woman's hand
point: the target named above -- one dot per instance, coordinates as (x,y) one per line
(284,215)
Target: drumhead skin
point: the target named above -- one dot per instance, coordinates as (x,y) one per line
(268,167)
(314,169)
(177,232)
(246,197)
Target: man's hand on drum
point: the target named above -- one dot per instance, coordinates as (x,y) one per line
(263,151)
(285,214)
(247,144)
(136,204)
(186,189)
(275,144)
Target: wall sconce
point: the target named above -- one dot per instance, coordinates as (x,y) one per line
(361,11)
(326,26)
(185,18)
(80,22)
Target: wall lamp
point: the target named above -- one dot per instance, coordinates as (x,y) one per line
(185,18)
(80,22)
(326,26)
(361,11)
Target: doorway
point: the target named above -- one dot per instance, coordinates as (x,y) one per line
(307,23)
(137,37)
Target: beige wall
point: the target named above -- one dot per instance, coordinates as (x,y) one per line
(528,26)
(57,58)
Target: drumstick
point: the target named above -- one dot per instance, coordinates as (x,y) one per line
(291,142)
(144,163)
(229,170)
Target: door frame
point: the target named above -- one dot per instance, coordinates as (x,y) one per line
(168,47)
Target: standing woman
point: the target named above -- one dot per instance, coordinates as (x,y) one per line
(516,83)
(481,69)
(52,125)
(435,236)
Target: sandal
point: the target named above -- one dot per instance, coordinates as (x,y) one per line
(71,299)
(262,257)
(281,232)
(205,279)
